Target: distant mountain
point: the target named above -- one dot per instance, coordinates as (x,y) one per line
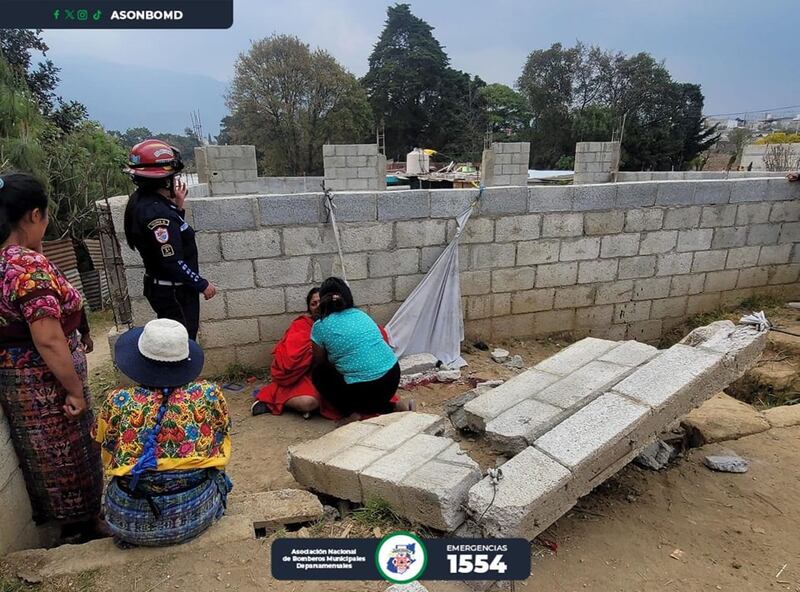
(123,96)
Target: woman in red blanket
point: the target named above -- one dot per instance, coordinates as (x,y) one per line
(291,384)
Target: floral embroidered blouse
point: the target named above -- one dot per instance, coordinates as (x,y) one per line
(195,429)
(32,288)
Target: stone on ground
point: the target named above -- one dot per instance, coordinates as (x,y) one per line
(417,363)
(784,416)
(723,418)
(727,463)
(500,355)
(656,456)
(516,363)
(269,509)
(448,375)
(412,587)
(39,565)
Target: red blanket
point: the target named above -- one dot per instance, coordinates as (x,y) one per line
(291,370)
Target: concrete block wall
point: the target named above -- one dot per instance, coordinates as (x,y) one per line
(232,170)
(17,529)
(628,176)
(354,167)
(505,163)
(596,162)
(619,260)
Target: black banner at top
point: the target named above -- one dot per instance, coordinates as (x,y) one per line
(116,14)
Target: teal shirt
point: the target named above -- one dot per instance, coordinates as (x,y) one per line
(354,344)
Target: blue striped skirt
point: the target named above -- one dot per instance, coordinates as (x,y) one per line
(167,507)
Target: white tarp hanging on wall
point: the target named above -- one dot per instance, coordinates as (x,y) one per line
(431,320)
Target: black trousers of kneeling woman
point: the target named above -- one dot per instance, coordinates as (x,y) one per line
(364,398)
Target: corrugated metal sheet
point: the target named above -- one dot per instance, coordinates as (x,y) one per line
(61,253)
(91,287)
(96,254)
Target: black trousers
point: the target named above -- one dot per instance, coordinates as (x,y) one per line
(366,398)
(179,303)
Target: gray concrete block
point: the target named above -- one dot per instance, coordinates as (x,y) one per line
(532,484)
(309,240)
(233,213)
(299,208)
(580,249)
(272,272)
(353,207)
(782,211)
(712,192)
(513,430)
(489,405)
(790,232)
(636,195)
(720,215)
(644,219)
(550,198)
(645,331)
(629,353)
(414,364)
(681,218)
(595,197)
(228,332)
(630,312)
(720,281)
(683,285)
(582,386)
(778,189)
(727,238)
(532,301)
(674,264)
(594,317)
(574,296)
(621,245)
(477,230)
(581,441)
(775,255)
(748,190)
(473,283)
(658,242)
(600,223)
(763,234)
(649,289)
(785,274)
(208,247)
(342,472)
(669,307)
(255,302)
(372,291)
(562,225)
(556,274)
(366,237)
(590,272)
(742,257)
(694,240)
(325,266)
(404,205)
(492,255)
(675,193)
(513,279)
(518,228)
(753,213)
(577,355)
(615,292)
(701,303)
(504,200)
(637,267)
(449,203)
(405,284)
(230,275)
(251,244)
(420,233)
(709,261)
(538,252)
(393,263)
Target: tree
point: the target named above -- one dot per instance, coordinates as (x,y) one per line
(506,110)
(185,143)
(288,101)
(582,94)
(18,45)
(21,125)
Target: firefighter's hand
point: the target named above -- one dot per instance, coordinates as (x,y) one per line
(210,291)
(181,191)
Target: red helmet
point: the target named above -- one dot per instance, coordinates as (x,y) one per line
(154,159)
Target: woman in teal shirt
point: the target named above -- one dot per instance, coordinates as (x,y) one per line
(355,370)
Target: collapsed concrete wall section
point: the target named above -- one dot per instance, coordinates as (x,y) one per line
(570,423)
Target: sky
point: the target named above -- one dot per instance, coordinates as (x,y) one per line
(743,54)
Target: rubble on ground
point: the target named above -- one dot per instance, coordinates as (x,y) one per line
(730,463)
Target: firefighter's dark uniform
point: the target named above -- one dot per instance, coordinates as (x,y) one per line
(166,242)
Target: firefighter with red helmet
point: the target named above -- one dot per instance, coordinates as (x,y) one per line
(155,226)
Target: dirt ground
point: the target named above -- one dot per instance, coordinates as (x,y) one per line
(736,532)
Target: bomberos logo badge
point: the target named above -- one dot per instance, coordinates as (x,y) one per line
(401,557)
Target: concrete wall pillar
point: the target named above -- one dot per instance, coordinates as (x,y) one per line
(596,162)
(354,167)
(226,168)
(505,163)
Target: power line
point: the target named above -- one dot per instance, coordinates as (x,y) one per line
(755,111)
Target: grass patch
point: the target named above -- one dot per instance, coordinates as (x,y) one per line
(376,512)
(239,373)
(100,320)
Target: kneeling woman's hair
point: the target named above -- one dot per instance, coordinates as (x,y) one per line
(334,296)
